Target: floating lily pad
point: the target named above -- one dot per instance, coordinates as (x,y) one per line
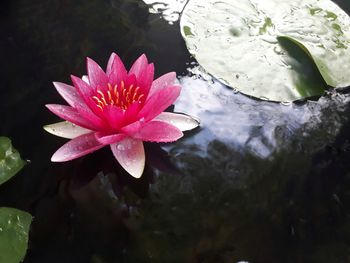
(14,228)
(10,160)
(251,45)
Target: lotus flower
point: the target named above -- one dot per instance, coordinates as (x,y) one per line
(119,108)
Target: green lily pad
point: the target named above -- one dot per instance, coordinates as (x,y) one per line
(14,228)
(10,160)
(251,45)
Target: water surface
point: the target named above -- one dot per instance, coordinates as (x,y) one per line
(257,182)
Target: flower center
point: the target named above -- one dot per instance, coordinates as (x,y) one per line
(121,97)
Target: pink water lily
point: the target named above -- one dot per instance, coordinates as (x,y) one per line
(119,108)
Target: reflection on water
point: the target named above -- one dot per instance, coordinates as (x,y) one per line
(262,127)
(257,182)
(170,10)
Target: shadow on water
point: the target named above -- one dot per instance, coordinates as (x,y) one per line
(258,181)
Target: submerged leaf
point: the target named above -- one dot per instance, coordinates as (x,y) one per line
(251,45)
(10,160)
(14,228)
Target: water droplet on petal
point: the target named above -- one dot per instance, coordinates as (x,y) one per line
(120,147)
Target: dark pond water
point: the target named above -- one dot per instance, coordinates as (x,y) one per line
(257,182)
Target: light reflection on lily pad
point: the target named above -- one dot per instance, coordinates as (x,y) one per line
(14,230)
(238,42)
(10,160)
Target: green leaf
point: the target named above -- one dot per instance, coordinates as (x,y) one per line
(10,160)
(252,45)
(14,228)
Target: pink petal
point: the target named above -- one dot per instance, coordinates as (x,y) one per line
(86,92)
(130,79)
(116,71)
(131,112)
(90,116)
(108,138)
(90,112)
(181,121)
(69,93)
(77,147)
(65,129)
(70,114)
(97,77)
(145,79)
(159,102)
(131,156)
(158,131)
(139,66)
(84,89)
(114,116)
(132,128)
(110,63)
(162,82)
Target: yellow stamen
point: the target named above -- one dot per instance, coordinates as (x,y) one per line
(96,99)
(104,101)
(135,93)
(109,96)
(102,97)
(117,98)
(115,90)
(124,90)
(109,86)
(129,93)
(101,93)
(127,97)
(140,97)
